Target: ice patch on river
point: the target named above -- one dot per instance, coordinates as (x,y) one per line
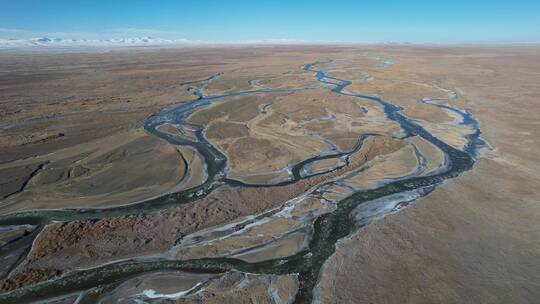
(367,212)
(152,294)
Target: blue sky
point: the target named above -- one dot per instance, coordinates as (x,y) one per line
(228,21)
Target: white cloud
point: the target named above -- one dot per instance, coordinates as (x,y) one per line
(12,30)
(128,32)
(68,35)
(142,31)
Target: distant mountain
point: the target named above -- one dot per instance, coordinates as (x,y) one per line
(44,42)
(48,43)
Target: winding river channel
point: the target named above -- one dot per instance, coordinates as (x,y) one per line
(349,215)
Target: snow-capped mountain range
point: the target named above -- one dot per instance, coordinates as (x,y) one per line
(46,42)
(60,44)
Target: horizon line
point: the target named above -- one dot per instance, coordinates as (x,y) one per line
(149,41)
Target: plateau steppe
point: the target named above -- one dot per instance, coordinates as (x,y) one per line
(275,174)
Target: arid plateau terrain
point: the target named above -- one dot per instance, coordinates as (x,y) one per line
(271,174)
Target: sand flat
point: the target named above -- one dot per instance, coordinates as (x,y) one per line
(118,170)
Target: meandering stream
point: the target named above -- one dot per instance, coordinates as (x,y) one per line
(350,214)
